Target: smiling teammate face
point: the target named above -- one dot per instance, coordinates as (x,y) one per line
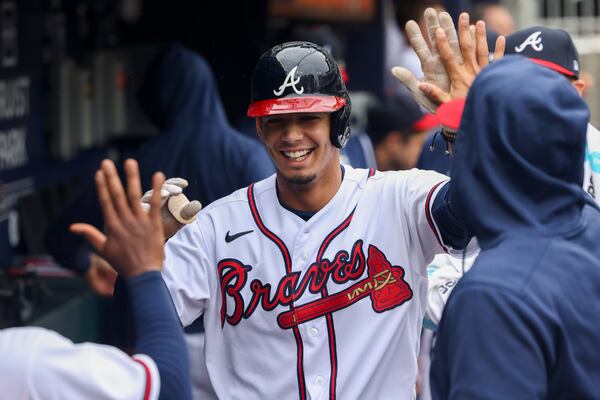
(299,145)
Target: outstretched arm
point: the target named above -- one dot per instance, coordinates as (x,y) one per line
(133,245)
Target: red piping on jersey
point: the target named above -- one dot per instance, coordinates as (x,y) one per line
(148,379)
(430,218)
(371,172)
(329,317)
(288,268)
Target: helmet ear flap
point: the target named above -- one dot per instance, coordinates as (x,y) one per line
(340,124)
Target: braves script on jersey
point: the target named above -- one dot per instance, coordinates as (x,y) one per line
(37,363)
(323,309)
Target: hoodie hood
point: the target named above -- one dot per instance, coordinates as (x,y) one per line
(518,165)
(178,85)
(196,142)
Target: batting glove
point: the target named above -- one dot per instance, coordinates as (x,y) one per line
(431,64)
(176,209)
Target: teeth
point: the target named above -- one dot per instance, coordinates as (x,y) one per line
(296,154)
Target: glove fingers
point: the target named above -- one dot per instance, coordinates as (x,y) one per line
(417,42)
(164,194)
(190,209)
(171,188)
(410,81)
(433,23)
(448,26)
(182,183)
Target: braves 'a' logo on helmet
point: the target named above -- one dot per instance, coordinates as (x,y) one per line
(289,82)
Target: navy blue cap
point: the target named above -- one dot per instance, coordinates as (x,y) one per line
(552,48)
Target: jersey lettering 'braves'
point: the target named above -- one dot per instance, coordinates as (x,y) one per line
(534,40)
(290,82)
(328,308)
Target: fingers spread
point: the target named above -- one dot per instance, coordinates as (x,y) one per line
(467,46)
(448,26)
(433,23)
(134,186)
(412,84)
(106,202)
(156,198)
(500,47)
(406,77)
(417,42)
(483,53)
(96,238)
(446,55)
(115,188)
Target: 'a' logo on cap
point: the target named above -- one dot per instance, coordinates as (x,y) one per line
(289,82)
(534,40)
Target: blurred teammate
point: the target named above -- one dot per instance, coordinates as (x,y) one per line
(180,96)
(398,129)
(36,363)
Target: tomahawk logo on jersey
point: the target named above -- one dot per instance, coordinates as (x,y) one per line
(292,308)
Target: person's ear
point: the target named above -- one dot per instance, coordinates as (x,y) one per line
(579,85)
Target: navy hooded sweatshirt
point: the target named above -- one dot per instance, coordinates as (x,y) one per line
(196,142)
(524,323)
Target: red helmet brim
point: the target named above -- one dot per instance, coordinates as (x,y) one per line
(289,105)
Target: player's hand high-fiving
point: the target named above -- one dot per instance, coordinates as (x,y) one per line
(452,61)
(133,243)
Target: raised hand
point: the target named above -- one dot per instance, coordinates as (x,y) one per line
(474,56)
(433,69)
(176,209)
(134,239)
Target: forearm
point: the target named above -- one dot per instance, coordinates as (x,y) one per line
(158,333)
(453,231)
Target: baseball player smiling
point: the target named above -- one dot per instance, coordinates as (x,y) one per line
(312,283)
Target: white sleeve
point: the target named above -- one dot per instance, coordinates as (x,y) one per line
(51,367)
(186,271)
(591,180)
(417,193)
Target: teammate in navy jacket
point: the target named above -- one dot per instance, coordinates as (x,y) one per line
(523,323)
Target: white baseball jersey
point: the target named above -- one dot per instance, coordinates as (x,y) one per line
(37,363)
(591,178)
(326,308)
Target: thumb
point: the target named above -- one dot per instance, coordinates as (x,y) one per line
(190,210)
(409,80)
(96,238)
(434,93)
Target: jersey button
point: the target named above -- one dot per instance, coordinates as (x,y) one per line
(314,331)
(305,256)
(319,380)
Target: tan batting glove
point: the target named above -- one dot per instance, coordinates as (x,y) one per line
(431,64)
(176,209)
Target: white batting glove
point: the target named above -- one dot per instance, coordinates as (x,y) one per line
(176,209)
(431,64)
